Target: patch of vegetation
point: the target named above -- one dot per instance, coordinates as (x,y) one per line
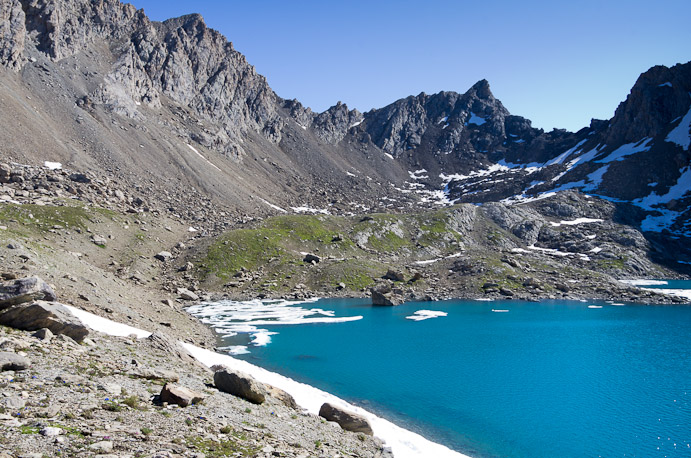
(243,248)
(111,406)
(212,448)
(388,242)
(44,217)
(303,227)
(146,431)
(25,429)
(612,264)
(133,402)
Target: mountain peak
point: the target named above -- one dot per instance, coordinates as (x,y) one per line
(482,90)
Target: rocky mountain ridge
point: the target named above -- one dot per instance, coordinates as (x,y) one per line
(174,110)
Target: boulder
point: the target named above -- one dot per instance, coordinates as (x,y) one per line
(42,314)
(43,334)
(25,290)
(98,240)
(282,396)
(394,275)
(311,258)
(187,295)
(384,295)
(13,362)
(163,256)
(5,173)
(239,384)
(155,374)
(170,346)
(176,394)
(350,421)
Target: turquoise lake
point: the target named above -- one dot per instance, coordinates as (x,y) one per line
(489,379)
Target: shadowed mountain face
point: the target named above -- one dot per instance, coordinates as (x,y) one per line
(172,110)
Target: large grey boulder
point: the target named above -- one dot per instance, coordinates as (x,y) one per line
(25,290)
(239,384)
(42,314)
(170,346)
(350,421)
(13,362)
(176,394)
(384,295)
(282,396)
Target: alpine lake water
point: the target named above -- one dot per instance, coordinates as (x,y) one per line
(488,379)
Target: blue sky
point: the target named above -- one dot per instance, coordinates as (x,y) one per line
(557,63)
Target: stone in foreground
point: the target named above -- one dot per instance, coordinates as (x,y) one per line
(350,421)
(176,394)
(25,290)
(239,384)
(41,314)
(282,396)
(13,362)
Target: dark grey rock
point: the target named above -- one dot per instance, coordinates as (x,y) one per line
(394,275)
(43,334)
(350,421)
(25,290)
(311,259)
(42,314)
(384,295)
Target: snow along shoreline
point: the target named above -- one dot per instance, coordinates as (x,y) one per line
(403,443)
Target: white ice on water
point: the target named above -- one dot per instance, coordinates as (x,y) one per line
(421,315)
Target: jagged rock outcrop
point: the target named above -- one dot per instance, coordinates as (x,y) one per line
(12,34)
(659,96)
(333,124)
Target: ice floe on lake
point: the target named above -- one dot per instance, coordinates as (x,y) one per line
(425,315)
(230,318)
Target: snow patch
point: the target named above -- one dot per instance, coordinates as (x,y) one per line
(627,150)
(667,84)
(389,156)
(306,209)
(200,155)
(52,165)
(275,207)
(475,119)
(680,134)
(575,222)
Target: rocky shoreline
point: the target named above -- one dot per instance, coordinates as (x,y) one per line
(127,396)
